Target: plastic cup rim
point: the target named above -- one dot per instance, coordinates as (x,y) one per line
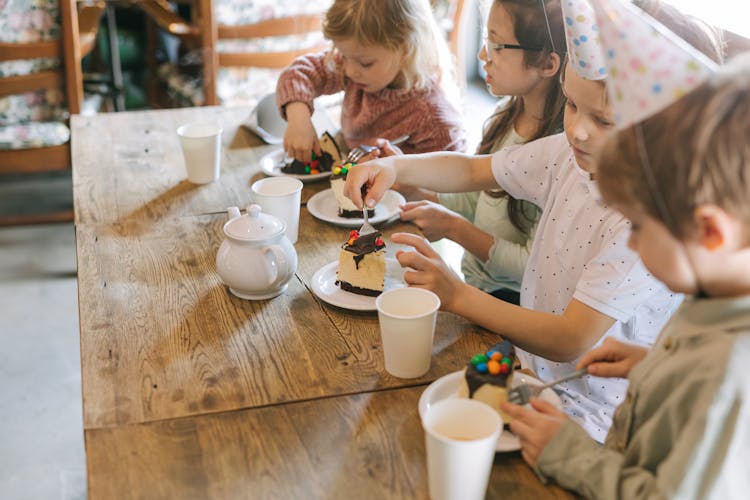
(216,129)
(379,298)
(297,183)
(483,408)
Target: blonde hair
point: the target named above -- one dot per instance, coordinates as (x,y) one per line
(695,152)
(397,24)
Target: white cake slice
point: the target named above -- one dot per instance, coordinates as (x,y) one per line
(347,209)
(362,264)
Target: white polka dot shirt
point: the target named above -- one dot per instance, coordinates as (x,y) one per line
(580,251)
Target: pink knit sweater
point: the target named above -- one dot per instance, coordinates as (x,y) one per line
(430,120)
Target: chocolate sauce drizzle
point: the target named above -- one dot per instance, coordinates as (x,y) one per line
(365,244)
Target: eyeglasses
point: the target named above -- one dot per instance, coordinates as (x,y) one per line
(490,47)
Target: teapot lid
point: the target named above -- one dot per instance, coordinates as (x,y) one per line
(254,225)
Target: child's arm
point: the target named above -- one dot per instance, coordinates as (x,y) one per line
(535,428)
(300,137)
(444,172)
(558,448)
(306,78)
(411,193)
(562,337)
(682,439)
(437,221)
(613,358)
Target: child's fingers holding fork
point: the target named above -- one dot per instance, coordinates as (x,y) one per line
(534,426)
(378,175)
(612,358)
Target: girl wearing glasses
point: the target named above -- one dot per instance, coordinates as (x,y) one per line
(522,52)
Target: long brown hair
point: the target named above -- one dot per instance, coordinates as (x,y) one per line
(530,29)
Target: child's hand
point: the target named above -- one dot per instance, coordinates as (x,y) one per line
(613,358)
(375,153)
(428,270)
(534,427)
(433,219)
(378,175)
(300,138)
(387,149)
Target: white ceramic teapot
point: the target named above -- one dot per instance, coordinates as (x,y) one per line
(256,260)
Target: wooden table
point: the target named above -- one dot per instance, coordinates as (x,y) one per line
(190,392)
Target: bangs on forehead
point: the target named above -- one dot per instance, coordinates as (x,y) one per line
(601,104)
(354,20)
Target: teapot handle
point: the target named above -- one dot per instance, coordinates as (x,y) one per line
(279,264)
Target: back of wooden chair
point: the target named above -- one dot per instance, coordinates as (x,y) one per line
(282,26)
(206,33)
(63,75)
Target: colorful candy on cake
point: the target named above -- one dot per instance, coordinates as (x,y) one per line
(347,209)
(331,156)
(487,375)
(362,264)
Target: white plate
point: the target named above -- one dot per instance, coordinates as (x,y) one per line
(325,287)
(272,162)
(323,205)
(447,387)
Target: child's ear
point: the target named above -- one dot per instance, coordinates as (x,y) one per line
(715,228)
(551,65)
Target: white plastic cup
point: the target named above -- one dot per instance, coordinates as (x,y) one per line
(280,197)
(460,439)
(407,326)
(201,148)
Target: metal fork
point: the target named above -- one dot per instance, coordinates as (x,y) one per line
(366,226)
(523,393)
(359,152)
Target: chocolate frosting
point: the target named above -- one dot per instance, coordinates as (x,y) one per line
(365,244)
(331,155)
(325,163)
(475,380)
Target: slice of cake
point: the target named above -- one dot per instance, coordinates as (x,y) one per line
(331,156)
(347,209)
(487,375)
(362,264)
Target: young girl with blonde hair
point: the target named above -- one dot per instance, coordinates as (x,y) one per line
(392,62)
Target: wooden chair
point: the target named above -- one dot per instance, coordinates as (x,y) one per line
(40,85)
(251,52)
(238,55)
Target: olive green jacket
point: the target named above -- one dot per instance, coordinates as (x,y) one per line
(683,430)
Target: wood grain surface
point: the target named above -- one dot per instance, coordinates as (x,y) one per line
(162,337)
(368,446)
(191,392)
(129,166)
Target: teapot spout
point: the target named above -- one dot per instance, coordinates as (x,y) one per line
(234,212)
